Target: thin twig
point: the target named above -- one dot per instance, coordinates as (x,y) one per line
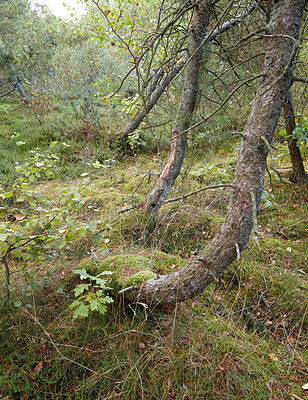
(7,284)
(290,226)
(127,289)
(128,209)
(222,185)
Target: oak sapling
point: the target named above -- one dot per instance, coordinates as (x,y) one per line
(91,296)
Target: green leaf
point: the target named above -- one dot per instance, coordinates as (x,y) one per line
(82,311)
(101,282)
(97,164)
(96,239)
(62,244)
(92,226)
(82,272)
(104,273)
(82,232)
(48,225)
(3,236)
(77,197)
(107,299)
(75,303)
(69,237)
(81,288)
(26,256)
(6,195)
(96,305)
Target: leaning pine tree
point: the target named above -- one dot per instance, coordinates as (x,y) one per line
(282,43)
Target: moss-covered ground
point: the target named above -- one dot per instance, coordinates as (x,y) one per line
(244,338)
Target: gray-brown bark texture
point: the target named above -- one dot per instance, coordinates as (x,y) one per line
(299,174)
(281,42)
(160,190)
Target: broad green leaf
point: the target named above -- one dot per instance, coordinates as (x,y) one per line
(69,237)
(82,311)
(104,273)
(3,236)
(96,305)
(107,299)
(48,225)
(100,282)
(92,226)
(82,273)
(62,244)
(82,232)
(26,256)
(81,288)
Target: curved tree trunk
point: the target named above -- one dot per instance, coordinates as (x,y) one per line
(299,173)
(284,27)
(160,190)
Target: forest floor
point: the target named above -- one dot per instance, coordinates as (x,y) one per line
(244,338)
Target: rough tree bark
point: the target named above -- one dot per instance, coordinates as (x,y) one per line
(281,45)
(299,174)
(171,169)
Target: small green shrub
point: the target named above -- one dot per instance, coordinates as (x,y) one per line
(91,296)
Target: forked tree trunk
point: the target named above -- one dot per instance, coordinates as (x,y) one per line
(299,174)
(159,83)
(284,27)
(172,168)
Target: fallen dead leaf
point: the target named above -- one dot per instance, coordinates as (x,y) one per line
(38,368)
(19,217)
(273,357)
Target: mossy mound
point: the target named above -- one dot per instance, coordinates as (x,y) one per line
(122,266)
(139,277)
(133,269)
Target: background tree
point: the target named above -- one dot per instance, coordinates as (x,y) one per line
(299,174)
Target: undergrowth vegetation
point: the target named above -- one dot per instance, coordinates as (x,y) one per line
(244,338)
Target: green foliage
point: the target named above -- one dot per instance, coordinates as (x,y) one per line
(269,200)
(91,296)
(300,134)
(32,228)
(211,172)
(135,140)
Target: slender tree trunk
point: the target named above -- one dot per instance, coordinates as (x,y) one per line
(160,190)
(299,174)
(284,27)
(156,90)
